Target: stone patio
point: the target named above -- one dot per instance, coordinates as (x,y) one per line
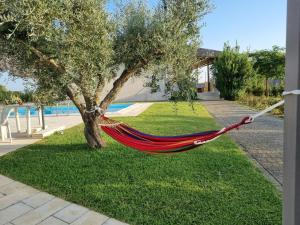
(24,205)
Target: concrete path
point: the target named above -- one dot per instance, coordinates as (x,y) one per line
(262,140)
(24,205)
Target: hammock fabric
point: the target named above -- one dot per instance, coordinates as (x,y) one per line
(161,144)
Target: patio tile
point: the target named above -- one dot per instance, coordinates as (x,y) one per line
(39,214)
(71,213)
(13,198)
(52,221)
(114,222)
(4,180)
(13,212)
(13,187)
(91,218)
(38,199)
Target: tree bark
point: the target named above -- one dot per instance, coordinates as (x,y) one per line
(92,130)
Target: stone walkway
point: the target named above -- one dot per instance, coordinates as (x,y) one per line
(262,140)
(24,205)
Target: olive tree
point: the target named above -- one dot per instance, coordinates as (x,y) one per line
(75,47)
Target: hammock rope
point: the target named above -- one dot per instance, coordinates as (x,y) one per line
(152,144)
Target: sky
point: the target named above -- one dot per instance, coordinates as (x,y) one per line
(253,24)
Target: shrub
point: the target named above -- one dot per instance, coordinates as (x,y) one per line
(262,102)
(231,70)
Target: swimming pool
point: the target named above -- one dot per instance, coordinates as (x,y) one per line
(65,110)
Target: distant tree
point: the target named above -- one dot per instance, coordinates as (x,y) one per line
(270,64)
(3,88)
(231,70)
(74,48)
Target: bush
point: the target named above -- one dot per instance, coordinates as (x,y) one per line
(262,102)
(277,91)
(231,70)
(14,97)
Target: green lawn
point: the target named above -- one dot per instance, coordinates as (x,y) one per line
(214,184)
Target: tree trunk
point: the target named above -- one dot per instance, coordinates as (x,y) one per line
(90,119)
(267,91)
(92,130)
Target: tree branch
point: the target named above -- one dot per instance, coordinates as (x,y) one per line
(72,92)
(72,89)
(117,85)
(98,91)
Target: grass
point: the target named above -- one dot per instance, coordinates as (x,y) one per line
(214,184)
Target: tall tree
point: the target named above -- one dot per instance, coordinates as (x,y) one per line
(73,47)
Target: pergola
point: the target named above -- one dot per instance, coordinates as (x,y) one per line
(291,165)
(205,58)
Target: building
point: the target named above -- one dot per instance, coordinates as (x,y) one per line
(135,89)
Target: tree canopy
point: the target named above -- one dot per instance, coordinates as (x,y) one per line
(269,63)
(75,47)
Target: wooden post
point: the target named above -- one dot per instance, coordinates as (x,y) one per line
(43,118)
(291,168)
(208,78)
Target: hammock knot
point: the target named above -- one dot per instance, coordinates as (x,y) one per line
(247,120)
(97,109)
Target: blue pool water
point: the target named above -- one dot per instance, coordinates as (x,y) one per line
(66,110)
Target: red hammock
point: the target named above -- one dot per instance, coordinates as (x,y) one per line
(161,144)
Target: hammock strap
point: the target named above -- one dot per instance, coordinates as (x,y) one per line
(269,109)
(97,109)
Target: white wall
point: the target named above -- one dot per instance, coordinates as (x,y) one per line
(135,90)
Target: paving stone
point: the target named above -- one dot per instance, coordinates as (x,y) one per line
(52,221)
(14,187)
(91,218)
(13,198)
(71,213)
(38,199)
(4,180)
(39,214)
(114,222)
(2,195)
(12,212)
(263,139)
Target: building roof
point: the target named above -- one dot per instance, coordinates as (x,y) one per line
(206,57)
(207,53)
